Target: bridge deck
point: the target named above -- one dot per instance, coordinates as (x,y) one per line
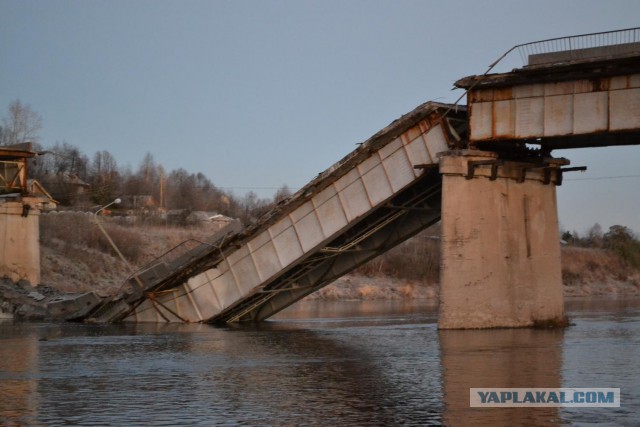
(382,193)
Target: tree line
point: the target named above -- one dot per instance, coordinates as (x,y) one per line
(177,189)
(618,239)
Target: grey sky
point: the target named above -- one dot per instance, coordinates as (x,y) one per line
(257,94)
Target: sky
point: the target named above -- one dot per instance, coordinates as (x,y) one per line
(260,94)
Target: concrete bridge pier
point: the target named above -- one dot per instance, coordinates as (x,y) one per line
(500,242)
(20,245)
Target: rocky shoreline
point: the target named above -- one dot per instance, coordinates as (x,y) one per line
(22,301)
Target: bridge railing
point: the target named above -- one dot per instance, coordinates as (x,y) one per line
(167,258)
(161,267)
(580,47)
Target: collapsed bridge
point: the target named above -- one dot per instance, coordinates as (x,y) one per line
(485,169)
(385,191)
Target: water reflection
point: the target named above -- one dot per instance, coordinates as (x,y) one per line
(280,373)
(499,358)
(336,364)
(602,351)
(298,371)
(18,384)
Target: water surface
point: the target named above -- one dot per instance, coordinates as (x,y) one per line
(347,363)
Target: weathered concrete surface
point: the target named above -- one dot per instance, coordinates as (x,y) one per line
(567,105)
(500,246)
(555,109)
(20,241)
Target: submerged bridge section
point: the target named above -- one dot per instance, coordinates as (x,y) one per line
(486,169)
(382,193)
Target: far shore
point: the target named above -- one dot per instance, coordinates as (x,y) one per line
(358,287)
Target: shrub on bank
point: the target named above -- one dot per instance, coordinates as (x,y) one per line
(77,230)
(415,259)
(77,257)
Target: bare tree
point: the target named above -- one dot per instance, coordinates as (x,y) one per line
(63,172)
(40,165)
(69,159)
(147,178)
(104,177)
(181,190)
(282,194)
(595,236)
(254,207)
(22,124)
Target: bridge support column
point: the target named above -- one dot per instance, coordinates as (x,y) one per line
(19,243)
(500,242)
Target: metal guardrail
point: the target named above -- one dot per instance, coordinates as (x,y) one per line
(179,257)
(168,258)
(580,46)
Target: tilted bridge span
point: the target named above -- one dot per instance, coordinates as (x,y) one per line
(382,193)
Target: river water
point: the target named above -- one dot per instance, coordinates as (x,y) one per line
(318,363)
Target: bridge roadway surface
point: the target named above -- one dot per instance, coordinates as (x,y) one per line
(385,191)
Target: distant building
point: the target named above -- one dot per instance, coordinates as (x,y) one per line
(35,189)
(67,187)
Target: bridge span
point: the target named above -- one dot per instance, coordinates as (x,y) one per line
(485,169)
(385,191)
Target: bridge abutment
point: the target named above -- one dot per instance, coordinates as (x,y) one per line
(500,242)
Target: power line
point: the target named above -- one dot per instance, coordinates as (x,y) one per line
(256,188)
(596,178)
(250,188)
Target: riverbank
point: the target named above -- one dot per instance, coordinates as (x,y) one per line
(597,272)
(75,261)
(595,280)
(75,257)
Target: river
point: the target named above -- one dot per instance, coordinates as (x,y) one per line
(317,363)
